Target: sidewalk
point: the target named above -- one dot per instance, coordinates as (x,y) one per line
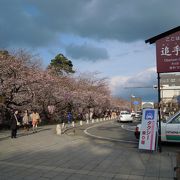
(5,134)
(45,155)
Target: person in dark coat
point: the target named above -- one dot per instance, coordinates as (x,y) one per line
(69,117)
(14,124)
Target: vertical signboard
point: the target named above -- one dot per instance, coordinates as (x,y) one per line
(148,129)
(168,53)
(136,104)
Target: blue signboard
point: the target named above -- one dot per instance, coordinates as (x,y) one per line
(149,115)
(136,102)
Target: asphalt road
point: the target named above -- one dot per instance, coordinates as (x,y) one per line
(115,131)
(120,134)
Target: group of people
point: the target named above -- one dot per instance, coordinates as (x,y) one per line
(27,120)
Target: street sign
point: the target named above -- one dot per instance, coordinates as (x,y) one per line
(168,53)
(136,102)
(148,129)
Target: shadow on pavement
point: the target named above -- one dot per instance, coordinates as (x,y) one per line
(21,133)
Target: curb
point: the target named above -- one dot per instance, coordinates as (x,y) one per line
(90,124)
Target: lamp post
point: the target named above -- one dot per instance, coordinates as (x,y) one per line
(132,97)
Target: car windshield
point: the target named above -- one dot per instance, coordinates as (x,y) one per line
(175,119)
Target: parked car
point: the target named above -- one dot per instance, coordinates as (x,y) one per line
(170,129)
(133,114)
(125,117)
(138,114)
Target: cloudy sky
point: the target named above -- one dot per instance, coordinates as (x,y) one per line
(107,36)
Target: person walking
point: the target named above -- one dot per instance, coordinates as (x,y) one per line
(87,117)
(26,120)
(80,116)
(35,120)
(14,123)
(69,117)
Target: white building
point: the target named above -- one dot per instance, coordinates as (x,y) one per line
(169,93)
(147,105)
(170,86)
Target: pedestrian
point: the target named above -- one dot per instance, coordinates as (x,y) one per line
(26,120)
(87,116)
(80,116)
(90,115)
(35,120)
(14,123)
(69,117)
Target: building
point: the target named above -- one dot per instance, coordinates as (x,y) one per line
(168,61)
(147,105)
(170,87)
(136,104)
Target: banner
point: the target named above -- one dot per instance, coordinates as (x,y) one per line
(148,129)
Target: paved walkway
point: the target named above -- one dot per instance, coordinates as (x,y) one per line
(44,156)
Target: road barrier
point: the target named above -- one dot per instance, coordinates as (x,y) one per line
(58,129)
(62,129)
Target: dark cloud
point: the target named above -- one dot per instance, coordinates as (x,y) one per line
(86,52)
(37,23)
(19,27)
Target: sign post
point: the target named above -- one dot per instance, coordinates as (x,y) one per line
(148,129)
(167,58)
(159,114)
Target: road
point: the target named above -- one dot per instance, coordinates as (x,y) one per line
(117,133)
(114,131)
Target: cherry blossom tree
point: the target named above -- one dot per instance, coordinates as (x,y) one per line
(25,85)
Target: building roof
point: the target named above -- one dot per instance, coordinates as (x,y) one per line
(162,35)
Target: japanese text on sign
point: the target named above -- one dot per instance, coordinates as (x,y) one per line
(168,53)
(148,129)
